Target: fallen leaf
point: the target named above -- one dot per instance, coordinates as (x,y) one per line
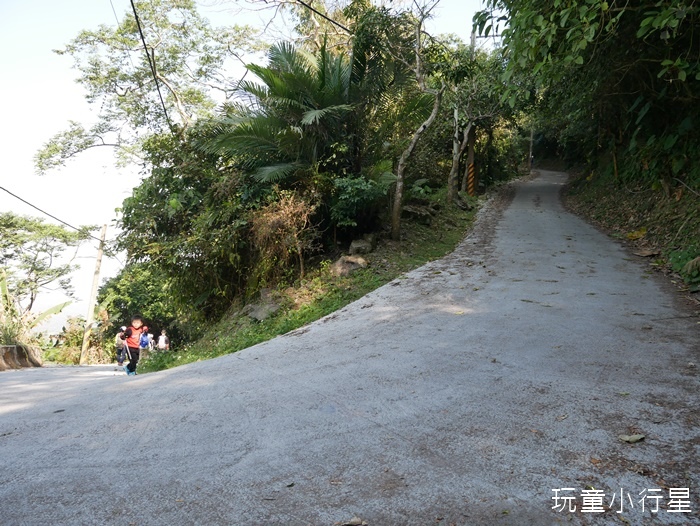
(595,461)
(632,439)
(646,253)
(562,417)
(637,234)
(459,312)
(290,485)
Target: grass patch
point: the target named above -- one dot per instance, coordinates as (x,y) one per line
(322,293)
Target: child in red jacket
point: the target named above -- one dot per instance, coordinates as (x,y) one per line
(133,335)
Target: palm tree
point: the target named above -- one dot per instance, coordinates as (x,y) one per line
(288,124)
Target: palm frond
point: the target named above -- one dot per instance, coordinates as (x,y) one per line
(276,172)
(315,116)
(285,57)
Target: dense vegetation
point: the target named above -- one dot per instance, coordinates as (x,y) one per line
(300,161)
(338,131)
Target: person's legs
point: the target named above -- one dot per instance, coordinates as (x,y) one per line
(134,360)
(121,353)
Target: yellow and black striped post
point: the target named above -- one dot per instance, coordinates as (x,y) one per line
(471,180)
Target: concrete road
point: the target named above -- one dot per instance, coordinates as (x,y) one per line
(465,392)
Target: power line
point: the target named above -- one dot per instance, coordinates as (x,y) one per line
(46,213)
(150,62)
(324,16)
(60,221)
(120,27)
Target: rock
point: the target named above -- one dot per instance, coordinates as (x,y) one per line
(347,265)
(372,238)
(360,246)
(262,311)
(421,214)
(265,307)
(12,357)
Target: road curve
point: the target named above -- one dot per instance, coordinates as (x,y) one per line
(464,393)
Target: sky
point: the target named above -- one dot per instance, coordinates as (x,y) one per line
(40,96)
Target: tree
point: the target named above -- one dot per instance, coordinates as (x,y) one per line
(475,98)
(32,254)
(613,78)
(184,53)
(317,23)
(287,124)
(139,288)
(418,67)
(187,220)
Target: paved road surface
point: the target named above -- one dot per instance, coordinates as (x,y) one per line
(462,393)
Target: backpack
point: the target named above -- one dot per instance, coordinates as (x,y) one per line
(143,341)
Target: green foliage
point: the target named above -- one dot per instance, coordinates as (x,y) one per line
(296,115)
(189,58)
(612,78)
(686,262)
(321,293)
(141,288)
(67,349)
(189,222)
(30,250)
(16,323)
(355,199)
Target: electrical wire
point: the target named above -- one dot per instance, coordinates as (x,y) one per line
(153,66)
(108,253)
(50,215)
(324,16)
(120,27)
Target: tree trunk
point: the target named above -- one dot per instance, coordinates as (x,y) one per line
(401,168)
(471,140)
(458,148)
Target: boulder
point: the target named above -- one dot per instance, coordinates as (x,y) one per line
(420,214)
(265,307)
(8,357)
(262,311)
(373,239)
(346,265)
(360,246)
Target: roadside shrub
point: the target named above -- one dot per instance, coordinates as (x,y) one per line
(282,234)
(355,202)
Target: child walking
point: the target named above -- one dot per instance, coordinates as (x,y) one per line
(120,345)
(133,337)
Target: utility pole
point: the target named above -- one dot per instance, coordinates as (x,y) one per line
(93,298)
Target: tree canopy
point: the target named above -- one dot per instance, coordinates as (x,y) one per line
(32,254)
(166,86)
(613,78)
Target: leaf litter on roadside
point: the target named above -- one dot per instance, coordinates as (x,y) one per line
(631,439)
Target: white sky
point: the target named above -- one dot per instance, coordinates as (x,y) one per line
(40,96)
